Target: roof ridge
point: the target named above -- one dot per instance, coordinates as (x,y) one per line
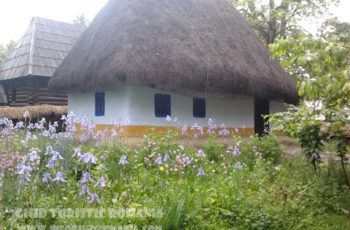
(31,51)
(58,24)
(36,18)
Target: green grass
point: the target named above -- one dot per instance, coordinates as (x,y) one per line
(269,192)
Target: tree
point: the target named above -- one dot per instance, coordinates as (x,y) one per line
(81,20)
(6,49)
(279,18)
(321,66)
(339,30)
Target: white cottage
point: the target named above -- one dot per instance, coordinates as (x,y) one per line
(141,60)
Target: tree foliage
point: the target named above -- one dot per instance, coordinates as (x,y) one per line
(279,18)
(339,30)
(321,66)
(81,20)
(6,49)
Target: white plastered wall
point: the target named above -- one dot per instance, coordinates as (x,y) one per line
(134,105)
(231,112)
(83,104)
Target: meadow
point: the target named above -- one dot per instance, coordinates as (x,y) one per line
(96,179)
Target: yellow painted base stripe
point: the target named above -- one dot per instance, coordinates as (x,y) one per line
(141,130)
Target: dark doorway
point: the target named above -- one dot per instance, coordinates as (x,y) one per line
(261,108)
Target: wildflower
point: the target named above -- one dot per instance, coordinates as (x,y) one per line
(31,126)
(186,160)
(56,156)
(46,178)
(159,160)
(200,153)
(239,166)
(69,122)
(87,158)
(52,129)
(84,190)
(211,126)
(200,171)
(94,198)
(77,152)
(86,178)
(63,118)
(59,177)
(223,132)
(168,118)
(33,156)
(123,160)
(50,164)
(49,150)
(198,130)
(55,124)
(19,125)
(166,157)
(24,172)
(26,115)
(117,129)
(101,182)
(41,124)
(236,151)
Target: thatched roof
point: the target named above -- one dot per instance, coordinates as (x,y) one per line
(201,45)
(35,112)
(41,49)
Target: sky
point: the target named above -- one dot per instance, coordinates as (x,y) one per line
(15,15)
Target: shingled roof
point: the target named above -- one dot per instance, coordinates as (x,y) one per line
(41,49)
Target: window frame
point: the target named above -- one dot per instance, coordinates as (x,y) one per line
(164,101)
(201,111)
(100,104)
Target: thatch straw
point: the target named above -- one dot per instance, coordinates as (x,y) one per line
(36,112)
(200,45)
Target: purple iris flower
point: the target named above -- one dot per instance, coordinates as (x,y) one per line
(59,177)
(46,178)
(86,178)
(123,160)
(101,182)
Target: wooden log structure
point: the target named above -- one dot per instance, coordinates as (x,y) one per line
(26,71)
(32,91)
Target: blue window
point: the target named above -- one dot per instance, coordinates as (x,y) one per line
(100,104)
(199,107)
(162,105)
